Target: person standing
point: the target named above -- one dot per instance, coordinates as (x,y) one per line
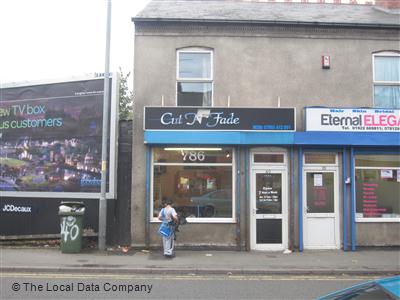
(166,215)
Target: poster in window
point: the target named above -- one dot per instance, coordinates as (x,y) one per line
(318,180)
(211,184)
(386,174)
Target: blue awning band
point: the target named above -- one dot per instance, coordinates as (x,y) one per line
(311,138)
(348,138)
(218,138)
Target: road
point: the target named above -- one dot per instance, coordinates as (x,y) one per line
(124,286)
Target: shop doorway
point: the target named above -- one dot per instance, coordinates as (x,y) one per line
(321,206)
(269,197)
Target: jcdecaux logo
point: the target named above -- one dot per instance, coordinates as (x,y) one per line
(17,209)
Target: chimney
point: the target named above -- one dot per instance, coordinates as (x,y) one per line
(388,4)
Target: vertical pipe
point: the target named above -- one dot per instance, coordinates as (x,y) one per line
(248,199)
(300,174)
(344,163)
(353,204)
(238,239)
(148,200)
(104,150)
(292,198)
(248,214)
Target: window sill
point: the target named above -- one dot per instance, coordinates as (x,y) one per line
(378,220)
(203,220)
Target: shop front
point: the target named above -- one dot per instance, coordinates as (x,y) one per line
(226,170)
(354,185)
(247,180)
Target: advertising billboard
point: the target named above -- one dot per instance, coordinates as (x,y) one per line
(51,137)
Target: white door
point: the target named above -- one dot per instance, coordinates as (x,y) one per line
(268,210)
(321,209)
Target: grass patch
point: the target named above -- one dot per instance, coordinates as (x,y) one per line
(12,162)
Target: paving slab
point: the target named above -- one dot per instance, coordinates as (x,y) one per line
(327,262)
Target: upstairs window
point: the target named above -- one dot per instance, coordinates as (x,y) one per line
(387,80)
(194,77)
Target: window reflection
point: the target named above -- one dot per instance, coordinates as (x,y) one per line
(201,188)
(194,94)
(378,186)
(194,82)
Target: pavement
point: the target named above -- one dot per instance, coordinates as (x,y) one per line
(191,262)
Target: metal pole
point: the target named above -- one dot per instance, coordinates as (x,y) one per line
(103,199)
(344,159)
(300,195)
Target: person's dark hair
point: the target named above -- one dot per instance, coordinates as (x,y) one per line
(168,201)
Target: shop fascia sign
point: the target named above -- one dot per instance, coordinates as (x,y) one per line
(219,118)
(352,119)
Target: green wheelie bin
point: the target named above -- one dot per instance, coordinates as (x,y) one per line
(71,222)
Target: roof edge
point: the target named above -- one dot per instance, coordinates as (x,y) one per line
(262,22)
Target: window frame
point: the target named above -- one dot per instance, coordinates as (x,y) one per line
(361,219)
(268,163)
(389,53)
(231,220)
(325,165)
(195,80)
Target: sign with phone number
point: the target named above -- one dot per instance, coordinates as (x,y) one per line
(219,118)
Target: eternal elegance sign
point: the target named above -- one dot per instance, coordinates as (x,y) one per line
(352,119)
(219,118)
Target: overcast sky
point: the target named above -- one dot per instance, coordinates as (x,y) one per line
(50,39)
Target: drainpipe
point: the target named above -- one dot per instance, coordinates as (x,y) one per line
(300,162)
(344,163)
(292,198)
(147,210)
(238,181)
(353,198)
(248,213)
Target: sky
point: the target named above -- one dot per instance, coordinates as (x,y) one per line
(51,39)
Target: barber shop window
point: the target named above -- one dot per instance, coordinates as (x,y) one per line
(194,77)
(377,188)
(199,180)
(387,79)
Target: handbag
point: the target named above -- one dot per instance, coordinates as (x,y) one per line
(164,230)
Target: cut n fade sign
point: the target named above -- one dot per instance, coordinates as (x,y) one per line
(50,138)
(352,119)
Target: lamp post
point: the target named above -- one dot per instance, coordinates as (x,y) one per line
(103,190)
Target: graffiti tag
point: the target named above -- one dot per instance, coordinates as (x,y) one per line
(69,229)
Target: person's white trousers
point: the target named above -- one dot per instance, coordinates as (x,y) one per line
(168,244)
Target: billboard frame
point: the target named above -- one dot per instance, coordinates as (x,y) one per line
(113,135)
